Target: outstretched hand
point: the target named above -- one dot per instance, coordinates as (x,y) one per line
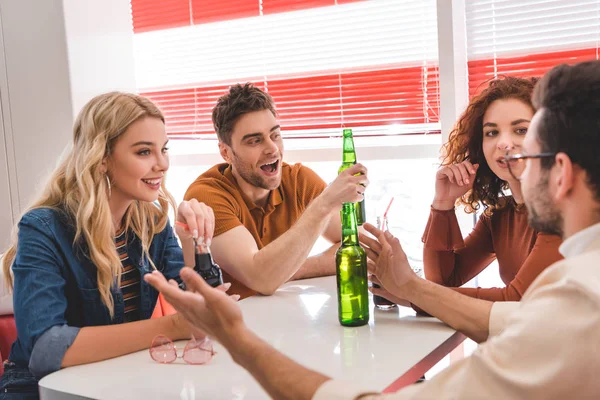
(382,292)
(204,307)
(390,264)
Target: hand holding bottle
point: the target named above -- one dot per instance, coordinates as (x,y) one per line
(451,182)
(199,219)
(348,187)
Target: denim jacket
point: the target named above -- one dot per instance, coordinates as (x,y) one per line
(56,291)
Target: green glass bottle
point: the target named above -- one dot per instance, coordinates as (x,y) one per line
(348,160)
(351,268)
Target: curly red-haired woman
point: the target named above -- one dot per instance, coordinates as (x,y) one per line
(473,172)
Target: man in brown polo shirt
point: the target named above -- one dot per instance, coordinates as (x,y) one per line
(268,214)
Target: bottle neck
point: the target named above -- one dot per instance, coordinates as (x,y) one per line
(348,153)
(349,226)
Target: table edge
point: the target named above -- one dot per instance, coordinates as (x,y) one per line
(420,368)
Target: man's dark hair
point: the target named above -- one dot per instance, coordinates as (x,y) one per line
(569,99)
(239,100)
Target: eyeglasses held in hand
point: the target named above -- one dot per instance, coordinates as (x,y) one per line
(196,352)
(516,162)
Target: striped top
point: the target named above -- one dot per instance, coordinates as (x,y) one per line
(130,280)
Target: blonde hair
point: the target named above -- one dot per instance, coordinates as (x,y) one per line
(79,187)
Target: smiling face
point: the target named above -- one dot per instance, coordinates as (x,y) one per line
(138,161)
(505,124)
(256,150)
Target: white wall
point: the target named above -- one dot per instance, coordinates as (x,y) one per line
(54,56)
(100,46)
(5,203)
(36,99)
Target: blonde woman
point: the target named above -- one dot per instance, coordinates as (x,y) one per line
(78,260)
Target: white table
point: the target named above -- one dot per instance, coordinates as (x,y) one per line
(300,319)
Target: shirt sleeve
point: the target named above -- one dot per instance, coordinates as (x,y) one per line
(543,254)
(309,186)
(499,314)
(172,259)
(222,203)
(535,357)
(448,259)
(40,303)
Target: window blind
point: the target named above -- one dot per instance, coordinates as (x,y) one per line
(328,64)
(528,37)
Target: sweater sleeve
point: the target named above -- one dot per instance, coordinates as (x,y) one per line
(447,258)
(543,254)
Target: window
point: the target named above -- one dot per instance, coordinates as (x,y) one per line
(528,37)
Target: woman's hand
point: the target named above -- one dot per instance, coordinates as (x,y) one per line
(200,221)
(451,182)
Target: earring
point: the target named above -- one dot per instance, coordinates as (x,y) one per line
(109,185)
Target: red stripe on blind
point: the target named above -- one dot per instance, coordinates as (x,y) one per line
(189,110)
(310,101)
(151,15)
(402,95)
(277,6)
(531,65)
(385,97)
(206,11)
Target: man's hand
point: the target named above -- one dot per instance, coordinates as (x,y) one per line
(220,317)
(381,291)
(185,329)
(401,285)
(390,265)
(348,187)
(205,308)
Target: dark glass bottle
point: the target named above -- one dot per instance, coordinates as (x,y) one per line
(348,160)
(206,267)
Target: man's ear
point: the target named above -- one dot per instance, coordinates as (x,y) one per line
(225,151)
(565,176)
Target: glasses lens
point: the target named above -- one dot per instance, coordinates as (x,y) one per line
(163,350)
(198,351)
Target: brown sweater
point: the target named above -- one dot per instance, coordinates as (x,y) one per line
(522,252)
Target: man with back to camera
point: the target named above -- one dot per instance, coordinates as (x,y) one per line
(268,214)
(546,346)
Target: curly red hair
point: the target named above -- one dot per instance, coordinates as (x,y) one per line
(466,142)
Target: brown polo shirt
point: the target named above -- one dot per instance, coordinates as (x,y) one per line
(218,189)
